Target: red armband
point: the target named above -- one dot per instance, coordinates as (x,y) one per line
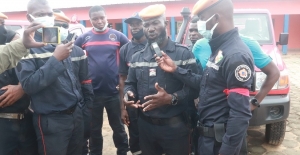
(242,91)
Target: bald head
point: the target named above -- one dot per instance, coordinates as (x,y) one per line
(38,8)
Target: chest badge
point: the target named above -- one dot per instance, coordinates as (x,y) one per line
(219,57)
(152,72)
(112,37)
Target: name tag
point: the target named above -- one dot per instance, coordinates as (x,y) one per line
(152,72)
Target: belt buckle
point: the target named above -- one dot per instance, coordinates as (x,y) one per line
(20,116)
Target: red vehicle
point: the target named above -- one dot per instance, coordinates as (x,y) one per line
(274,109)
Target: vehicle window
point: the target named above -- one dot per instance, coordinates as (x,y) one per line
(256,26)
(77,31)
(13,27)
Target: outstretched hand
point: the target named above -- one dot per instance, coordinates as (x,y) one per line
(157,100)
(166,63)
(131,103)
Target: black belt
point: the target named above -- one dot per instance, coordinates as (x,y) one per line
(206,131)
(216,132)
(162,121)
(68,111)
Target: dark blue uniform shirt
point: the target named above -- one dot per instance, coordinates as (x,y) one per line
(229,67)
(126,53)
(55,85)
(144,73)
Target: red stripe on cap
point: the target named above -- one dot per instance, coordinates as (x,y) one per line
(86,82)
(242,91)
(100,43)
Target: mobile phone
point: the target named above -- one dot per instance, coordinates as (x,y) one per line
(71,37)
(156,49)
(51,35)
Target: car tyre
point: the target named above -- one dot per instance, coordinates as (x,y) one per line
(275,132)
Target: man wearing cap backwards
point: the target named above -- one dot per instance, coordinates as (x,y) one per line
(102,46)
(11,53)
(160,98)
(129,115)
(224,87)
(62,21)
(54,76)
(15,118)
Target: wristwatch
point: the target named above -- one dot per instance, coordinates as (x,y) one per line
(174,99)
(255,102)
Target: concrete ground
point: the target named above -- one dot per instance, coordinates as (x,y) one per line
(257,144)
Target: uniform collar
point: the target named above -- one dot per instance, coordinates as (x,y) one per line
(135,43)
(149,53)
(218,41)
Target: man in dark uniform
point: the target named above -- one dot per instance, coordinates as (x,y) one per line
(62,21)
(129,115)
(224,106)
(16,132)
(160,97)
(56,78)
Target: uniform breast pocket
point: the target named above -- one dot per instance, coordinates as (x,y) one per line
(209,84)
(142,81)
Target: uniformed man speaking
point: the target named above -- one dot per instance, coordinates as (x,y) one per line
(223,119)
(160,97)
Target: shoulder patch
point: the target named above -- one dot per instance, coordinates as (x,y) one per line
(243,73)
(112,37)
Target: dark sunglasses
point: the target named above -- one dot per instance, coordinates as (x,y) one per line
(64,25)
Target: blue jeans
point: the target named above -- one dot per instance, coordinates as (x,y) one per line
(112,106)
(59,134)
(17,136)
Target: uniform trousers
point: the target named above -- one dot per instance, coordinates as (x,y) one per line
(134,142)
(168,139)
(59,133)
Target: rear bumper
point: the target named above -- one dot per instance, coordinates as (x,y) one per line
(263,114)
